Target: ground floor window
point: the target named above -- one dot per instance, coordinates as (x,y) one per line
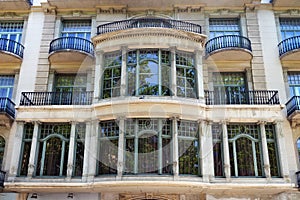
(25,149)
(2,147)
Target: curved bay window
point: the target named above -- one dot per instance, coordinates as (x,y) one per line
(148,146)
(188,148)
(245,150)
(148,72)
(53,149)
(2,147)
(108,152)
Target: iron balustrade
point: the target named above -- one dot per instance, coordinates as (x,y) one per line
(292,105)
(11,46)
(148,23)
(288,45)
(56,98)
(227,41)
(72,43)
(256,97)
(7,106)
(2,178)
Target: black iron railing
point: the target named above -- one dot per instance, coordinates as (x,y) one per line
(148,23)
(289,44)
(7,106)
(72,43)
(257,97)
(11,46)
(227,41)
(292,105)
(2,178)
(56,98)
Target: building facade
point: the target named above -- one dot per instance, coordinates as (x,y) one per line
(134,100)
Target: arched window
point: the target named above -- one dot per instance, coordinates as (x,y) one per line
(2,147)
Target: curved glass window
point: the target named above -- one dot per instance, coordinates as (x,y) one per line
(2,147)
(148,72)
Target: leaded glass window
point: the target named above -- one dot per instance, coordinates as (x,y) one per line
(272,150)
(148,72)
(218,149)
(6,85)
(81,29)
(230,88)
(108,152)
(289,27)
(2,148)
(112,74)
(188,147)
(185,75)
(245,150)
(148,146)
(25,149)
(220,27)
(294,83)
(53,147)
(79,149)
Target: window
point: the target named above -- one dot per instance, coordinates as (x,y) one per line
(6,86)
(53,147)
(81,29)
(245,150)
(220,27)
(112,74)
(2,148)
(185,75)
(272,150)
(148,146)
(229,88)
(25,149)
(294,83)
(188,148)
(289,27)
(79,149)
(217,149)
(148,72)
(108,152)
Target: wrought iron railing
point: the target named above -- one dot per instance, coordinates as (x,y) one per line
(2,178)
(7,106)
(292,105)
(11,46)
(288,45)
(56,98)
(257,97)
(72,43)
(148,23)
(227,41)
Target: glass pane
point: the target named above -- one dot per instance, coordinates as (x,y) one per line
(147,158)
(167,163)
(108,156)
(52,162)
(188,157)
(129,156)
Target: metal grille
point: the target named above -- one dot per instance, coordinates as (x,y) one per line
(61,129)
(188,128)
(109,129)
(28,131)
(238,129)
(185,59)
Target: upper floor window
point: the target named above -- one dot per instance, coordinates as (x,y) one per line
(70,83)
(2,147)
(11,30)
(81,29)
(6,85)
(289,27)
(294,83)
(220,27)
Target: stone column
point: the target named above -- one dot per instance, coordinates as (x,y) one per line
(70,164)
(227,171)
(86,157)
(280,140)
(121,141)
(33,150)
(199,74)
(206,152)
(93,150)
(98,75)
(123,71)
(175,148)
(265,152)
(173,71)
(16,151)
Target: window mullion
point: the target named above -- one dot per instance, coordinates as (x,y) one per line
(43,157)
(62,158)
(160,147)
(235,159)
(159,74)
(136,147)
(254,158)
(137,72)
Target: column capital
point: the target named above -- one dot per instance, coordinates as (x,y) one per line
(99,52)
(175,117)
(262,122)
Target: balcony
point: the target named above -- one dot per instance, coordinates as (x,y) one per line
(56,98)
(148,23)
(10,51)
(2,178)
(256,97)
(229,48)
(289,49)
(7,109)
(15,4)
(293,108)
(70,49)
